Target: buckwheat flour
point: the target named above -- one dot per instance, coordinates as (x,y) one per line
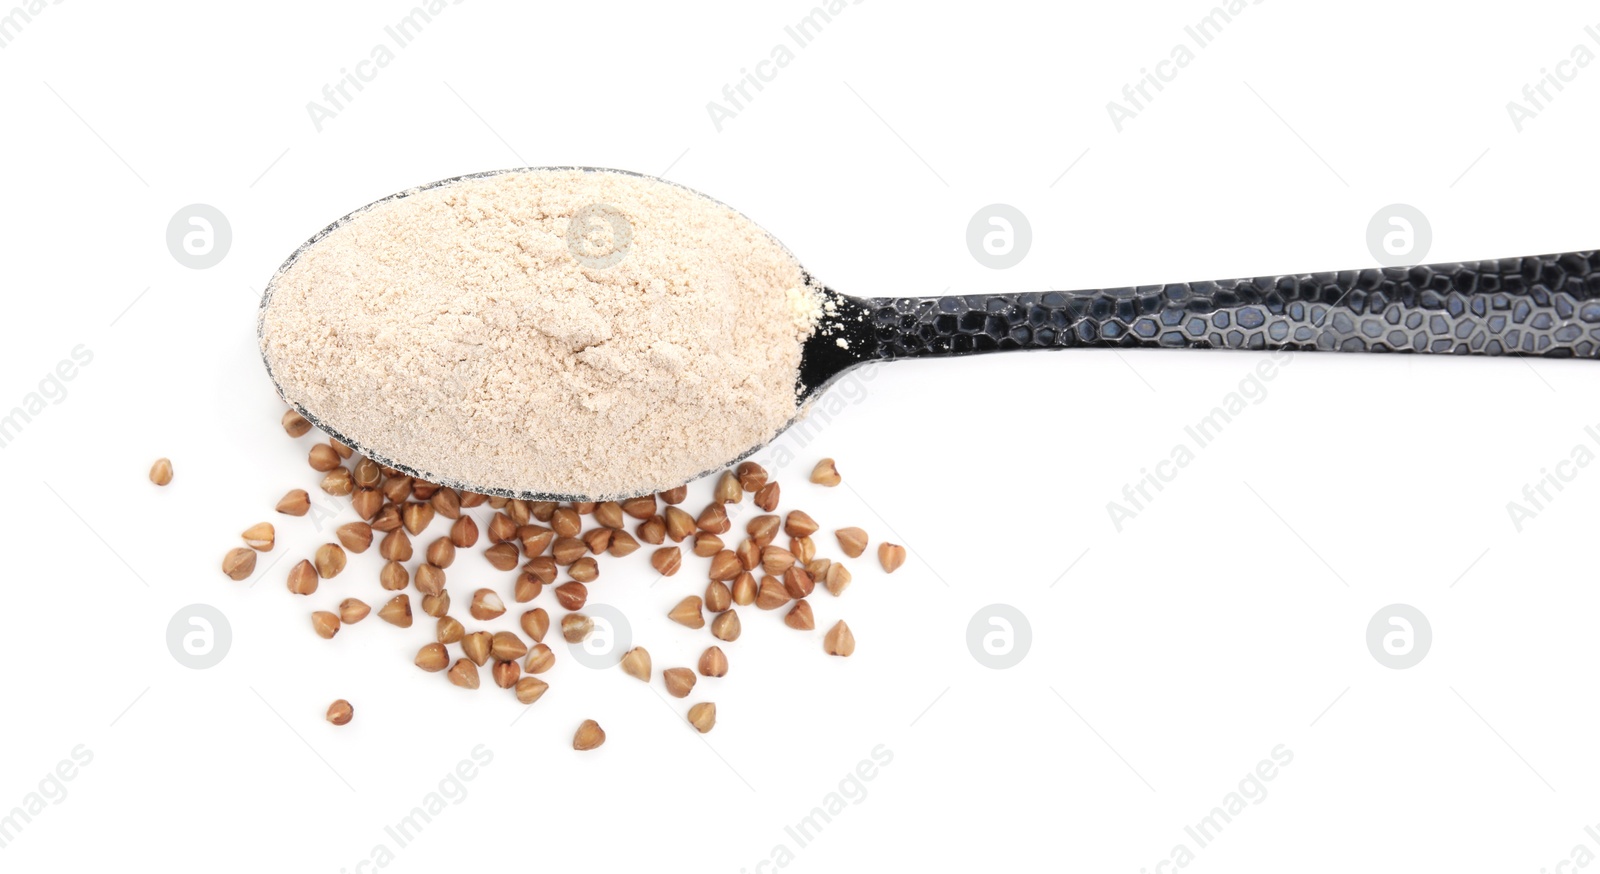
(567,332)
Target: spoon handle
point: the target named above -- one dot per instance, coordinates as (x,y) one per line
(1547,305)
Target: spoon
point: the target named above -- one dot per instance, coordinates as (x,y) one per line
(1536,306)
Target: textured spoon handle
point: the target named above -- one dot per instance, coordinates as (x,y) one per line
(1547,305)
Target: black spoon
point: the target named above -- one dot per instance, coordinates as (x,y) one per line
(1538,306)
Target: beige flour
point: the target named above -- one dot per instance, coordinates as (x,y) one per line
(454,332)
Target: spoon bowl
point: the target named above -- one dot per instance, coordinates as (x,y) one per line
(333,418)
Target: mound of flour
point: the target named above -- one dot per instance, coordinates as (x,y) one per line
(564,332)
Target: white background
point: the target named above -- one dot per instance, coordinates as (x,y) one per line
(1226,619)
